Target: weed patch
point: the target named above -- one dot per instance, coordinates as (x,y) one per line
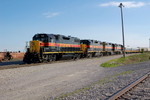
(127,60)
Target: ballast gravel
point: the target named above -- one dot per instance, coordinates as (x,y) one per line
(110,84)
(83,79)
(140,92)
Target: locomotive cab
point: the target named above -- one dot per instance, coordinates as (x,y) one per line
(40,37)
(39,44)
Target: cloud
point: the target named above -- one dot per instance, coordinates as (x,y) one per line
(129,4)
(51,14)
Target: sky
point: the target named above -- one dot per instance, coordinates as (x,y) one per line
(85,19)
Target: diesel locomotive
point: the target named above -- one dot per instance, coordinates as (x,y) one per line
(51,47)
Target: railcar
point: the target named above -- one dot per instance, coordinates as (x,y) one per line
(49,47)
(132,50)
(92,48)
(108,48)
(118,48)
(112,48)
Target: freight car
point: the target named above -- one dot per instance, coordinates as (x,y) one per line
(132,50)
(51,47)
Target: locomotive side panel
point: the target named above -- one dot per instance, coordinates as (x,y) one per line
(49,47)
(94,47)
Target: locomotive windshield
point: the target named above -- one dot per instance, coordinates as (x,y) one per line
(41,37)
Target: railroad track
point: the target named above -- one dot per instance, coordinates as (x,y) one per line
(18,64)
(128,92)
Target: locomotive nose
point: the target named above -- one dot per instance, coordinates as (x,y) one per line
(35,46)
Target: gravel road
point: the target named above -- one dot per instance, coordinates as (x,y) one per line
(44,82)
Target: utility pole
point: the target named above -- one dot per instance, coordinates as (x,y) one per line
(121,5)
(149,43)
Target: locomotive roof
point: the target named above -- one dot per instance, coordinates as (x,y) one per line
(112,43)
(55,35)
(90,40)
(69,37)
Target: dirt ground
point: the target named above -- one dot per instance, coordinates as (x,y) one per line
(41,82)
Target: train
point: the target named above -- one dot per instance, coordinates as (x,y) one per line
(52,47)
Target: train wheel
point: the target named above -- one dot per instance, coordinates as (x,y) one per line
(41,60)
(54,57)
(50,58)
(78,56)
(90,55)
(74,57)
(102,54)
(99,55)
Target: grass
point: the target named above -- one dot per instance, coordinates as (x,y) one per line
(127,60)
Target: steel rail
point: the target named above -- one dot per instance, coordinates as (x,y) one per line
(128,87)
